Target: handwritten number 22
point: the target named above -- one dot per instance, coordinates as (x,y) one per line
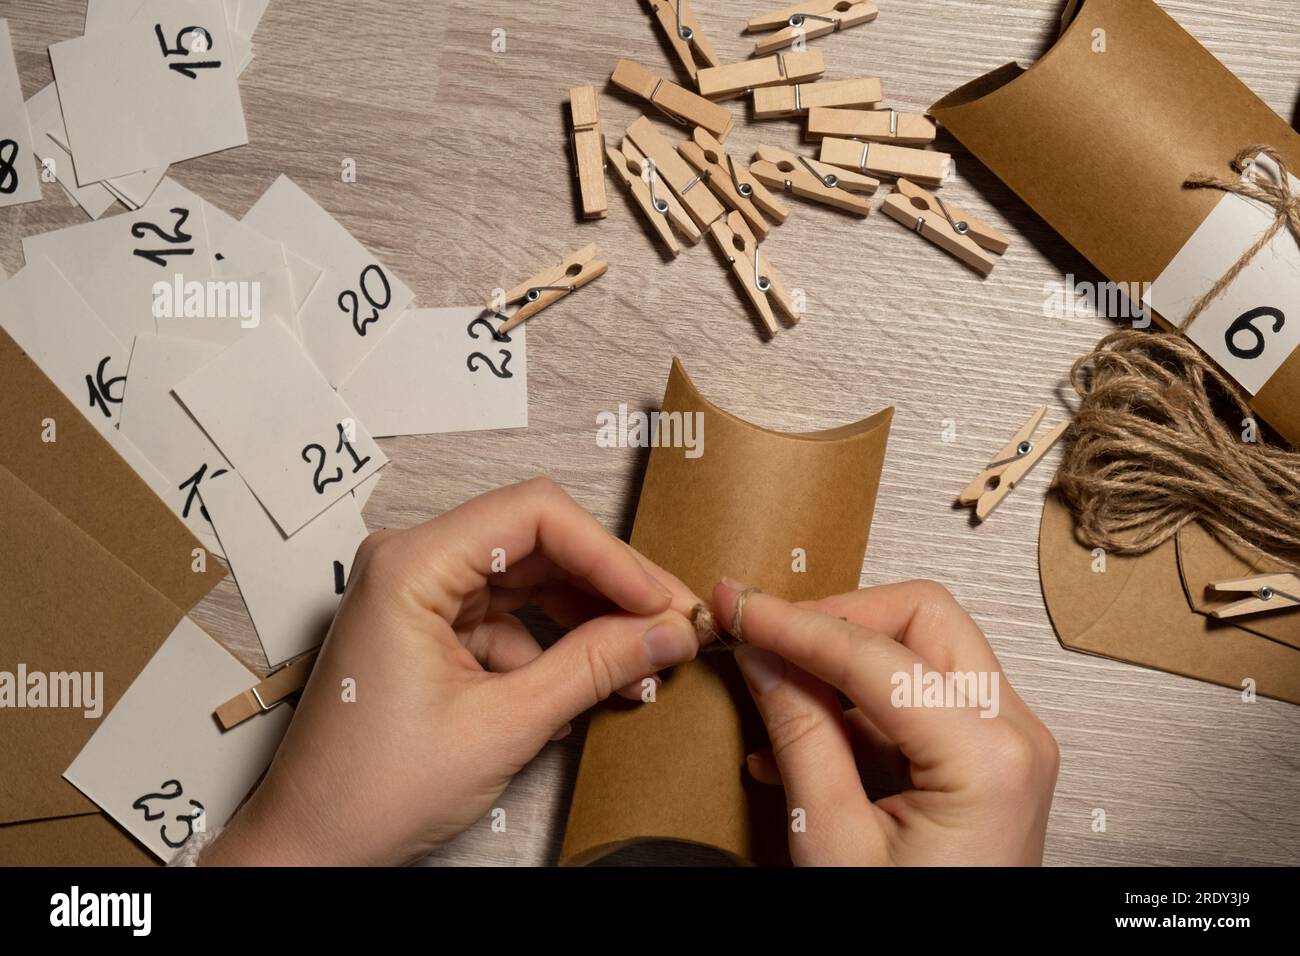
(317,451)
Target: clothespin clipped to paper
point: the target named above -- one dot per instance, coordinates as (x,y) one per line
(548,287)
(952,230)
(874,126)
(657,202)
(679,105)
(732,79)
(588,144)
(929,167)
(1269,592)
(732,182)
(814,18)
(813,180)
(684,35)
(270,692)
(1010,465)
(772,102)
(762,285)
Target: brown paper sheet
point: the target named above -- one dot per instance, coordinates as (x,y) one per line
(82,476)
(674,769)
(1136,611)
(1203,559)
(90,839)
(1099,145)
(67,605)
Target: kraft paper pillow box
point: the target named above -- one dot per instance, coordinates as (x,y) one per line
(97,571)
(1100,143)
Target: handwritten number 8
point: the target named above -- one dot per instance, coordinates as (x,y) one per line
(1246,323)
(359,324)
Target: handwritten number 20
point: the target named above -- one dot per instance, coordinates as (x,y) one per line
(348,296)
(1245,324)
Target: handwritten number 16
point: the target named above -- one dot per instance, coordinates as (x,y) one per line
(317,451)
(187,68)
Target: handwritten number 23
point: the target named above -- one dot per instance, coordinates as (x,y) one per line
(171,790)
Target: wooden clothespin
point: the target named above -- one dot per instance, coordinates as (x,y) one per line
(732,79)
(684,34)
(588,144)
(772,102)
(270,692)
(732,182)
(755,274)
(680,105)
(657,202)
(548,287)
(814,18)
(671,168)
(1010,465)
(1269,592)
(876,126)
(946,226)
(813,180)
(924,166)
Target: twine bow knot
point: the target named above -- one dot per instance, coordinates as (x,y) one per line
(1278,195)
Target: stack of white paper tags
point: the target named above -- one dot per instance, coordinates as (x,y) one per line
(244,368)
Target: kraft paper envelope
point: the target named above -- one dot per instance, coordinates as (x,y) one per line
(673,769)
(1203,559)
(1100,143)
(68,606)
(80,475)
(1136,611)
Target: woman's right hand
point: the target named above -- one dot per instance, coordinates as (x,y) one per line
(966,788)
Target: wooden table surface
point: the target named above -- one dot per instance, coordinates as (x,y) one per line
(463,185)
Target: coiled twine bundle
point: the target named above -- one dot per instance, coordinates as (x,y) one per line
(1162,438)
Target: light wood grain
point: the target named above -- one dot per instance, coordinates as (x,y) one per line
(464,185)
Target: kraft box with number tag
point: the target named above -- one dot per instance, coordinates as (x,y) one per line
(1099,137)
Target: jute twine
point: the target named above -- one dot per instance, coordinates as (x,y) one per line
(1163,437)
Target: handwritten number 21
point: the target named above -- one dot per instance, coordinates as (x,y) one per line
(317,451)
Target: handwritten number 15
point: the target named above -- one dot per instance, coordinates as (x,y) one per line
(187,68)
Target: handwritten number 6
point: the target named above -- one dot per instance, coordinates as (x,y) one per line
(1245,323)
(503,372)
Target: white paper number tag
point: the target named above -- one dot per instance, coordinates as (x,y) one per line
(18,182)
(1253,326)
(275,418)
(159,764)
(442,370)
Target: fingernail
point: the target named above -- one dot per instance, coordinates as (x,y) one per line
(733,584)
(669,643)
(763,670)
(562,732)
